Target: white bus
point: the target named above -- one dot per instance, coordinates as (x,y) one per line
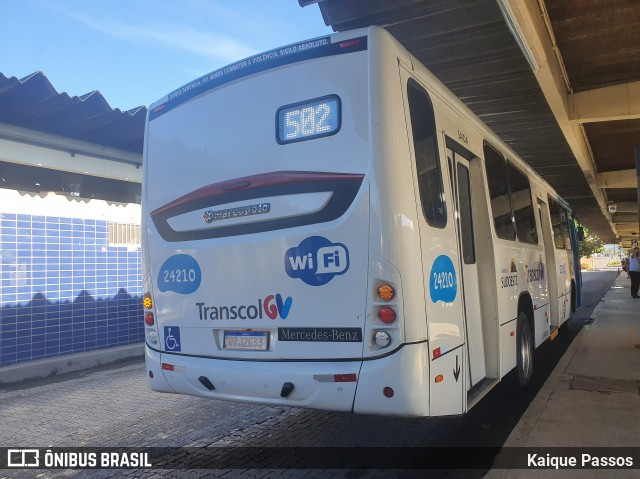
(325,225)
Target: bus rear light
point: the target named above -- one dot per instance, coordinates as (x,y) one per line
(387,315)
(382,339)
(350,43)
(148,319)
(153,337)
(336,378)
(147,302)
(345,378)
(439,378)
(386,292)
(388,392)
(173,367)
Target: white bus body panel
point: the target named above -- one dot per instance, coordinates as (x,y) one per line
(261,382)
(565,265)
(248,275)
(213,139)
(410,384)
(226,135)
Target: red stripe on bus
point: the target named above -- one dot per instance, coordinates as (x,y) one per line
(256,181)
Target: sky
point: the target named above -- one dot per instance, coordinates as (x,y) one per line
(136,51)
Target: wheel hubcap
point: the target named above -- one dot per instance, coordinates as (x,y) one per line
(525,353)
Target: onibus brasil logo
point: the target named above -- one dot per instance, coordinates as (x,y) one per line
(316,260)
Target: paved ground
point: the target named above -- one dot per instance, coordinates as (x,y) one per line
(591,399)
(113,407)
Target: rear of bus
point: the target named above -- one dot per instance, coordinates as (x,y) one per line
(256,229)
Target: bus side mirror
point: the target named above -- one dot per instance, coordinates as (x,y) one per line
(580,233)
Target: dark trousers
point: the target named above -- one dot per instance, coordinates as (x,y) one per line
(635,282)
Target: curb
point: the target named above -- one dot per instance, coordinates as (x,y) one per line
(45,368)
(596,310)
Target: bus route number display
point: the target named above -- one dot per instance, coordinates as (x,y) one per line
(308,120)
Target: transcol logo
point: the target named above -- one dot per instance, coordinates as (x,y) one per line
(272,305)
(316,260)
(536,273)
(281,308)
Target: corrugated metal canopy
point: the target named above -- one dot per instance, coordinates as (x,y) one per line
(599,40)
(32,102)
(469,46)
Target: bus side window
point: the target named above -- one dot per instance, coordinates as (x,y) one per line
(522,205)
(496,168)
(556,223)
(466,215)
(423,126)
(564,223)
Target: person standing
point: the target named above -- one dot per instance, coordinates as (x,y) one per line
(634,271)
(625,266)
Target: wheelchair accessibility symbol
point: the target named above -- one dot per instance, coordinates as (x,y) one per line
(172,338)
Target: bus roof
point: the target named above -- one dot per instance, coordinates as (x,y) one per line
(319,47)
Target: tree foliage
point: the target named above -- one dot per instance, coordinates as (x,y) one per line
(591,244)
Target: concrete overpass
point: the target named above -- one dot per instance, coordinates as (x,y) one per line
(558,80)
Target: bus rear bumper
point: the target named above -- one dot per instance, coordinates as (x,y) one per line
(260,382)
(153,366)
(397,384)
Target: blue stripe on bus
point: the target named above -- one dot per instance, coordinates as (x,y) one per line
(318,48)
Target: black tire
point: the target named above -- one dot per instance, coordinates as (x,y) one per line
(524,350)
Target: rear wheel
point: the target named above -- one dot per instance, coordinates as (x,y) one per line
(524,350)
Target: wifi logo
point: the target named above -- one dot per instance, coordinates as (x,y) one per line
(316,260)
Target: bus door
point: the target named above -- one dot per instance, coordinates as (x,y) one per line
(550,240)
(458,159)
(440,264)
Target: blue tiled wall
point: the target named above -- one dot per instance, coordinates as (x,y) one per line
(64,289)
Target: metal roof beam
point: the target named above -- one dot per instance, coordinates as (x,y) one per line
(628,218)
(530,19)
(34,148)
(617,179)
(617,102)
(70,145)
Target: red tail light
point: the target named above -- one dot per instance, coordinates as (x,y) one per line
(345,378)
(387,314)
(148,319)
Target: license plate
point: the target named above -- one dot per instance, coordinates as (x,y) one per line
(246,340)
